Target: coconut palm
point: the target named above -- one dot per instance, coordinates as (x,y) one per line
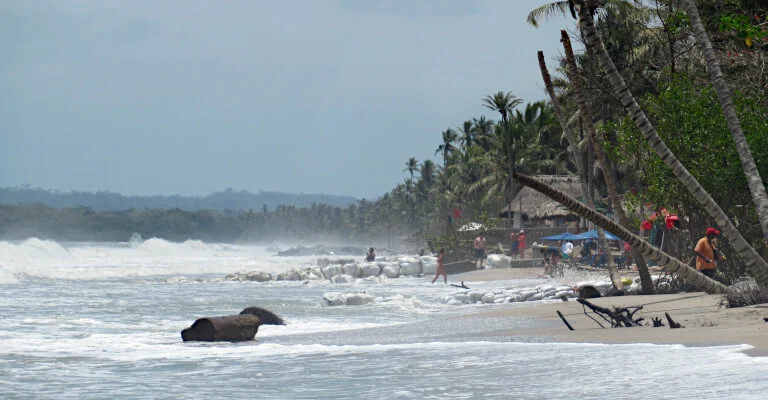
(756,265)
(610,178)
(449,138)
(502,102)
(482,130)
(667,262)
(756,186)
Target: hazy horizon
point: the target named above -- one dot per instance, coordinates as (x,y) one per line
(190,98)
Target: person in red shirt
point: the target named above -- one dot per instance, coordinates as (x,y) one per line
(705,253)
(521,243)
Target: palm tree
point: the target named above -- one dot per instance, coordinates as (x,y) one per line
(467,137)
(502,102)
(757,266)
(754,180)
(411,166)
(664,260)
(449,137)
(610,179)
(482,129)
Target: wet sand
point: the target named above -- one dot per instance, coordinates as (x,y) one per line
(705,322)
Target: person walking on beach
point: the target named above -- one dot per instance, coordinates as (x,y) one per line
(706,253)
(441,266)
(513,244)
(521,243)
(479,246)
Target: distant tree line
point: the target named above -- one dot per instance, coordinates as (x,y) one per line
(108,201)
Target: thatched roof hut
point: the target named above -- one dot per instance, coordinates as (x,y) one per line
(535,205)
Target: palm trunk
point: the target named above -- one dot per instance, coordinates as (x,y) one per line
(569,135)
(756,186)
(755,264)
(667,262)
(610,179)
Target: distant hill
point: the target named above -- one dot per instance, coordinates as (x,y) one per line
(108,201)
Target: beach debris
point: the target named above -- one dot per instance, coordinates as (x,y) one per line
(618,317)
(657,322)
(230,328)
(672,324)
(463,286)
(564,320)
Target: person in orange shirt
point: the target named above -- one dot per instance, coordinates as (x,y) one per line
(705,253)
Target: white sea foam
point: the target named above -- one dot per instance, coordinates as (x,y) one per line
(35,258)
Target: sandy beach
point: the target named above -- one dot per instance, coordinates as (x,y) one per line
(705,322)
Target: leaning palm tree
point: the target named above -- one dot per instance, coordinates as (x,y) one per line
(667,262)
(610,179)
(449,138)
(502,102)
(755,182)
(756,265)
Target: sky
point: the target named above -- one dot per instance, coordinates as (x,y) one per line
(302,96)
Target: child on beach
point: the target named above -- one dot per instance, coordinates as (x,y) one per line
(441,266)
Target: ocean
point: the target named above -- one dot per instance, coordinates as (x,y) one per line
(103,321)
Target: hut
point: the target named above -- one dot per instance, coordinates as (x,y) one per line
(539,210)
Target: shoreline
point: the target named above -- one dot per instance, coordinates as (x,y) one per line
(705,322)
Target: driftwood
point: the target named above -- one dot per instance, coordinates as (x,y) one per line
(460,286)
(231,328)
(672,324)
(657,322)
(618,317)
(564,321)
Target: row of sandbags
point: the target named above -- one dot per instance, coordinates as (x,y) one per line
(403,266)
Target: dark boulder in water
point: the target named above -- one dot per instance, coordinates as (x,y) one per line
(266,317)
(230,328)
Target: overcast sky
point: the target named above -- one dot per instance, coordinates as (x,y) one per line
(190,97)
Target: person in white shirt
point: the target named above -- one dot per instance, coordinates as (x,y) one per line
(566,248)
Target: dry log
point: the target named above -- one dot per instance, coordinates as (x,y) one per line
(564,321)
(232,328)
(672,324)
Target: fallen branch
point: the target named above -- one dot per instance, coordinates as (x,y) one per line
(564,321)
(618,317)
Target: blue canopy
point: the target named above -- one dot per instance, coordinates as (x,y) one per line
(562,236)
(593,235)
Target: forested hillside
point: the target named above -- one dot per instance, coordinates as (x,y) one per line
(108,201)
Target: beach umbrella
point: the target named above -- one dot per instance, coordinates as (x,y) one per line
(562,236)
(593,235)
